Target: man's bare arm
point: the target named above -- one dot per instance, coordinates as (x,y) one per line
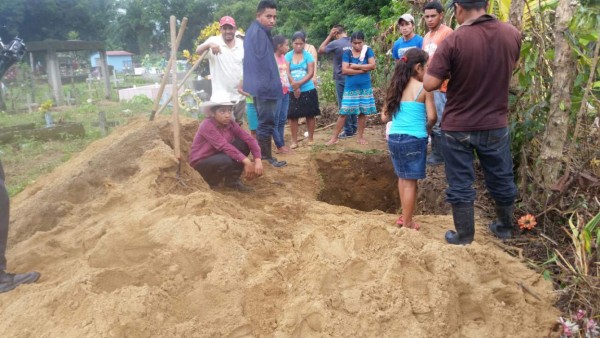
(431,83)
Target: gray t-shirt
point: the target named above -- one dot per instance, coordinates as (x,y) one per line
(337,47)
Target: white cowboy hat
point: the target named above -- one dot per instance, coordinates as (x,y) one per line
(206,106)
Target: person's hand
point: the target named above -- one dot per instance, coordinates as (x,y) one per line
(258,168)
(334,31)
(249,172)
(315,82)
(297,93)
(215,48)
(384,116)
(295,85)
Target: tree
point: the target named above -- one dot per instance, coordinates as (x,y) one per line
(54,19)
(555,135)
(515,15)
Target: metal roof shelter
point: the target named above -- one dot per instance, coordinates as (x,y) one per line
(51,47)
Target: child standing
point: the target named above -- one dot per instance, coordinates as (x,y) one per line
(251,114)
(412,113)
(358,93)
(281,112)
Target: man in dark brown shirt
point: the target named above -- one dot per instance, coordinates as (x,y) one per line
(478,58)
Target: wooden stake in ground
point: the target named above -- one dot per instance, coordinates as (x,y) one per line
(176,131)
(172,60)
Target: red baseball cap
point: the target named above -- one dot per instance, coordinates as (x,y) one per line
(227,20)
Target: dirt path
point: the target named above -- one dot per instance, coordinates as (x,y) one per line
(126,251)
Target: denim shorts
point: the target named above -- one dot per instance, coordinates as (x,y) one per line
(408,155)
(252,116)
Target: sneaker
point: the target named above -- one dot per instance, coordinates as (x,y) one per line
(9,281)
(277,164)
(343,135)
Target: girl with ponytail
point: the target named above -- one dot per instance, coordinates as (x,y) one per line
(411,111)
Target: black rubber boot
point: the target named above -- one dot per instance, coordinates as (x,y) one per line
(502,226)
(435,157)
(237,184)
(464,222)
(266,154)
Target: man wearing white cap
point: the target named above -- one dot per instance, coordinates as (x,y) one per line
(409,39)
(225,60)
(220,149)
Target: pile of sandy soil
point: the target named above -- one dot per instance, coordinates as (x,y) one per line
(126,249)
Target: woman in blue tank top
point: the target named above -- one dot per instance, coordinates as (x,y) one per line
(412,113)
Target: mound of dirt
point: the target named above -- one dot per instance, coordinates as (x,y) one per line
(128,249)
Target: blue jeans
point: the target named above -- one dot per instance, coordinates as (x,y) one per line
(351,124)
(439,99)
(492,147)
(265,109)
(408,155)
(281,113)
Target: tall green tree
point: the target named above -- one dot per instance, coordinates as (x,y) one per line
(54,19)
(142,26)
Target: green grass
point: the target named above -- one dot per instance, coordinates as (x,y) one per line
(25,160)
(317,148)
(365,152)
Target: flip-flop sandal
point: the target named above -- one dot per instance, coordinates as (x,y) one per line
(294,146)
(310,143)
(400,221)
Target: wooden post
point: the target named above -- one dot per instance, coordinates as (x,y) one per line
(102,123)
(105,73)
(32,77)
(176,131)
(89,82)
(170,64)
(115,78)
(53,71)
(29,103)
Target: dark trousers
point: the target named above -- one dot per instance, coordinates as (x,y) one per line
(351,124)
(265,111)
(220,167)
(492,147)
(4,217)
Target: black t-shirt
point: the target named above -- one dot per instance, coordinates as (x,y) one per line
(478,58)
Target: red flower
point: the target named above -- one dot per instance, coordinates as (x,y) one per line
(527,222)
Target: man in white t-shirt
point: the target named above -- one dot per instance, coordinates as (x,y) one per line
(225,59)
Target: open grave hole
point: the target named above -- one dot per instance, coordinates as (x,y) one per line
(367,182)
